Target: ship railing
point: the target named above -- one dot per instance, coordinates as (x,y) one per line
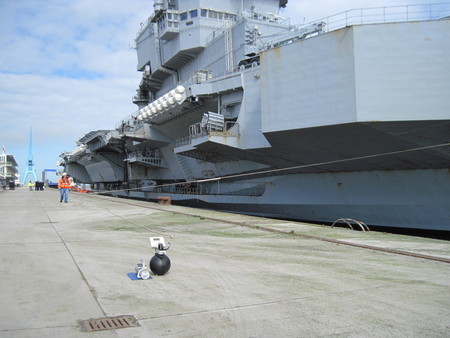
(129,123)
(140,99)
(269,17)
(148,23)
(390,14)
(213,77)
(199,188)
(247,14)
(298,33)
(157,161)
(198,130)
(184,189)
(183,141)
(151,159)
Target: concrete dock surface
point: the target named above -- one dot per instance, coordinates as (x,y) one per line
(231,275)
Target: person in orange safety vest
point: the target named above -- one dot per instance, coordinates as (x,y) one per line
(64,186)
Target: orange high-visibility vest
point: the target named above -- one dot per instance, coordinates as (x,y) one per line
(64,182)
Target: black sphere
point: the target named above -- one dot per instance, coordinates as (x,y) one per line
(159,264)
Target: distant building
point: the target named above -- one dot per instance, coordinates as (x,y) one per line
(8,170)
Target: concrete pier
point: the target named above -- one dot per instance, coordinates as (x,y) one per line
(231,275)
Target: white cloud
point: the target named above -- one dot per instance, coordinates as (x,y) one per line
(65,69)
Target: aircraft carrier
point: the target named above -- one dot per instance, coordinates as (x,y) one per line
(240,110)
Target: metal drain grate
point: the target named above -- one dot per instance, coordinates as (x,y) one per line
(108,323)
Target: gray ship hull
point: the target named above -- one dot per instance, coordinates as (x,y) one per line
(411,199)
(309,124)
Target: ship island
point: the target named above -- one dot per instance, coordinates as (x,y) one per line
(239,110)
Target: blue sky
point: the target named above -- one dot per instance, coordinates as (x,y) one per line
(66,67)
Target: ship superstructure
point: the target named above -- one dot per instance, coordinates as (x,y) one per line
(240,110)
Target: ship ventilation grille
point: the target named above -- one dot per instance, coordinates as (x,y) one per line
(229,45)
(213,122)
